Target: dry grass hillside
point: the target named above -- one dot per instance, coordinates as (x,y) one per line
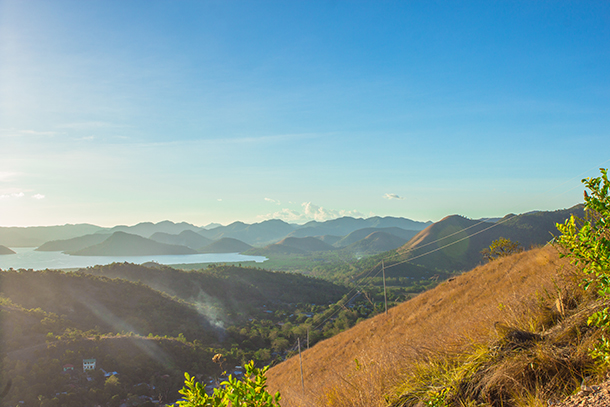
(368,364)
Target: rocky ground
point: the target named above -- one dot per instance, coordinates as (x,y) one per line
(598,396)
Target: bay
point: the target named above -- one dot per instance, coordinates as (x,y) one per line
(28,258)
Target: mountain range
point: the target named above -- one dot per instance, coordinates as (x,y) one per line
(452,244)
(257,234)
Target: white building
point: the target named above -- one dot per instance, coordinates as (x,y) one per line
(88,364)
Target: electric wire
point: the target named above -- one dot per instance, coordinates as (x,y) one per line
(484,220)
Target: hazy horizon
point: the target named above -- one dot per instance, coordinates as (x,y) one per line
(116,113)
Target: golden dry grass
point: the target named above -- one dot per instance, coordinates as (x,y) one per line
(364,365)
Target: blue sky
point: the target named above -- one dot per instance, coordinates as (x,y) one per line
(118,112)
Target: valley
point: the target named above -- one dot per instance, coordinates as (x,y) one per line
(151,322)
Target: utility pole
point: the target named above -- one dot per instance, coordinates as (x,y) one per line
(385,295)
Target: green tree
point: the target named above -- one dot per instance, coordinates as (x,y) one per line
(587,243)
(500,248)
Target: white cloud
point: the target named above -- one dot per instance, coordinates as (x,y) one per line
(287,215)
(13,195)
(219,199)
(38,196)
(310,212)
(273,201)
(392,196)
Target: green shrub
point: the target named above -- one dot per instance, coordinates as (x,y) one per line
(249,392)
(587,243)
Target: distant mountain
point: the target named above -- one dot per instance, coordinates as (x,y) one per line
(455,243)
(376,242)
(186,238)
(293,245)
(147,229)
(34,236)
(74,244)
(490,220)
(330,239)
(308,244)
(225,245)
(125,244)
(260,234)
(5,250)
(360,234)
(211,226)
(346,225)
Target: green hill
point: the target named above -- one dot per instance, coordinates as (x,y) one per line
(293,245)
(34,236)
(376,242)
(228,292)
(90,302)
(147,229)
(330,239)
(308,244)
(186,238)
(360,234)
(225,245)
(125,244)
(74,244)
(256,234)
(5,250)
(346,225)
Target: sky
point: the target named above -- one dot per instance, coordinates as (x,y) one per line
(120,112)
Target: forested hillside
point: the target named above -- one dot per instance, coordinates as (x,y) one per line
(52,319)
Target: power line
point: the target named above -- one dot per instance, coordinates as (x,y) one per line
(484,220)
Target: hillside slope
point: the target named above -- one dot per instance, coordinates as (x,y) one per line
(73,245)
(186,238)
(376,242)
(36,235)
(225,245)
(455,242)
(346,225)
(226,291)
(364,360)
(88,302)
(125,244)
(360,234)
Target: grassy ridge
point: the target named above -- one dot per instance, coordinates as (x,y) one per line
(370,364)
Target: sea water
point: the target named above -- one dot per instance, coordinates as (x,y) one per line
(28,258)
